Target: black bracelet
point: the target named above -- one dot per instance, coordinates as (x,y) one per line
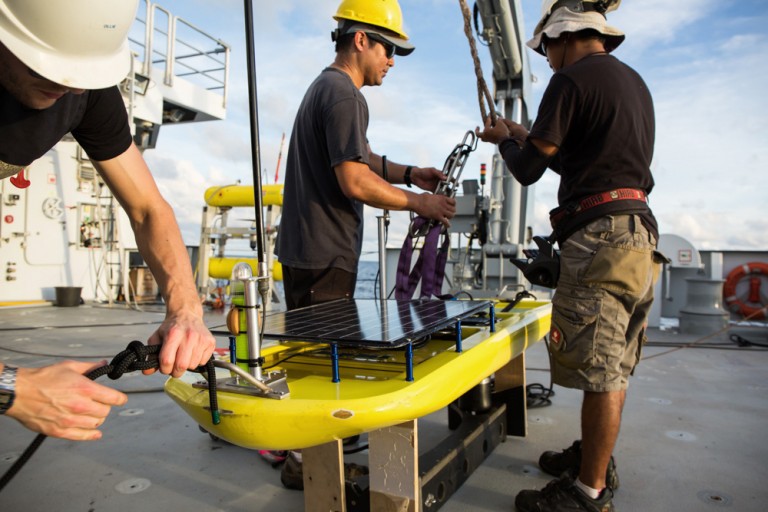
(407,176)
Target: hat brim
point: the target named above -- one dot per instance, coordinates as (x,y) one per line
(402,46)
(564,20)
(95,72)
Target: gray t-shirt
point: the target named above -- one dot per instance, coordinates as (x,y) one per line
(321,227)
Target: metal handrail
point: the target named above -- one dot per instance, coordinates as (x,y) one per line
(213,71)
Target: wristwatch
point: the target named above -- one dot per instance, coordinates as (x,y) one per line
(7,387)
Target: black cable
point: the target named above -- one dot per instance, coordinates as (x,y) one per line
(135,357)
(78,326)
(280,361)
(536,395)
(743,342)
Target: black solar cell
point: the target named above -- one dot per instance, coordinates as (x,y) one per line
(369,322)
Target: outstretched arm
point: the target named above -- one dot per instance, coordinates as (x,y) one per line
(426,178)
(187,342)
(359,182)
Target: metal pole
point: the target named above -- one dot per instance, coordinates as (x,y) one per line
(254,333)
(255,150)
(383,220)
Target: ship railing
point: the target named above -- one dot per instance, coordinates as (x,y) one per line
(182,50)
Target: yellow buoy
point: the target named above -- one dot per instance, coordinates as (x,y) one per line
(221,268)
(242,195)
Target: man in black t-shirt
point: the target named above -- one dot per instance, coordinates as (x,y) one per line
(59,62)
(595,128)
(332,172)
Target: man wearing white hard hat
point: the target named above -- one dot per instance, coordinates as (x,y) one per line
(59,63)
(595,128)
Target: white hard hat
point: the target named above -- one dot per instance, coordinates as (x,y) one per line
(76,43)
(559,16)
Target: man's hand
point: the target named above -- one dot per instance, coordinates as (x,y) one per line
(59,401)
(437,207)
(187,344)
(427,178)
(502,130)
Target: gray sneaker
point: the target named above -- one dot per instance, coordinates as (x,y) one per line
(569,460)
(562,496)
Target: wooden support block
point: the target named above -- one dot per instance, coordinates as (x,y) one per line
(323,468)
(393,457)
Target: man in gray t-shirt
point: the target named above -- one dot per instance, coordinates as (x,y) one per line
(332,172)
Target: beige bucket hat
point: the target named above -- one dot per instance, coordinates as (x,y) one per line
(572,16)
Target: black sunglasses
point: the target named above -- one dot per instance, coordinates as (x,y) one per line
(389,48)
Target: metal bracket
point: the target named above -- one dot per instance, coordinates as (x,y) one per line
(275,381)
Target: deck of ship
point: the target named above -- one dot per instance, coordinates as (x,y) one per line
(692,438)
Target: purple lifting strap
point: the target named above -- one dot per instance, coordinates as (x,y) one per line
(429,267)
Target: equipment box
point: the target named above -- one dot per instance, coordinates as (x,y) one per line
(143,285)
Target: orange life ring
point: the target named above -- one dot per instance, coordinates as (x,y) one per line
(754,303)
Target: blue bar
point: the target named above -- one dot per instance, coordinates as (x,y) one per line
(409,362)
(233,349)
(458,337)
(335,362)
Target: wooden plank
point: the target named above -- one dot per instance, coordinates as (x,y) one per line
(323,468)
(509,388)
(393,457)
(511,375)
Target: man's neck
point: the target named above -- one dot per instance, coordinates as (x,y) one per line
(577,50)
(348,67)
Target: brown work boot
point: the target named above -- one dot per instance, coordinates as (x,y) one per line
(569,460)
(562,496)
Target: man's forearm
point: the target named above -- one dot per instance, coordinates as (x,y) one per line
(160,243)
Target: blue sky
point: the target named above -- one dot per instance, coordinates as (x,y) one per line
(704,62)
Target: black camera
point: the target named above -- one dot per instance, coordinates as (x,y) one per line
(542,265)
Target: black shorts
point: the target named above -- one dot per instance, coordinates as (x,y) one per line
(306,287)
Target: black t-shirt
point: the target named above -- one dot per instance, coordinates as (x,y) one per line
(599,112)
(97,119)
(321,227)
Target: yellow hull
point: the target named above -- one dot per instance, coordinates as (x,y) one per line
(372,393)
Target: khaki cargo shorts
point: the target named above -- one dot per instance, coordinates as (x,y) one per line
(599,311)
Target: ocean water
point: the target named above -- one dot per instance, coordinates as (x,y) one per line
(367,280)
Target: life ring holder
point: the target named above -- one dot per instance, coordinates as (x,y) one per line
(746,305)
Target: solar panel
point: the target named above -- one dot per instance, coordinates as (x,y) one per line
(369,322)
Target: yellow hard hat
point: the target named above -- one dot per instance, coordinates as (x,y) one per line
(380,13)
(77,43)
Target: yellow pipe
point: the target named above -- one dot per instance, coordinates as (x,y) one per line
(242,195)
(221,268)
(22,303)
